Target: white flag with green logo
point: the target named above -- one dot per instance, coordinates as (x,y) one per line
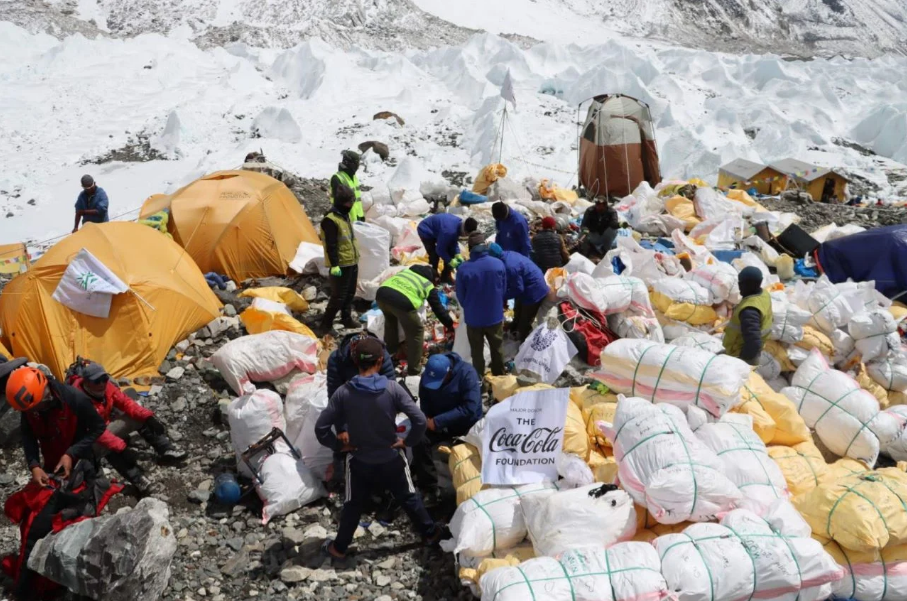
(88,286)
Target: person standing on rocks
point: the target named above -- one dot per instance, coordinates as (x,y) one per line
(481,285)
(367,409)
(751,322)
(512,229)
(440,235)
(341,257)
(128,416)
(450,395)
(400,297)
(91,205)
(59,423)
(346,176)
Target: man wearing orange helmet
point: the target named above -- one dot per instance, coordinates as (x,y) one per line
(58,422)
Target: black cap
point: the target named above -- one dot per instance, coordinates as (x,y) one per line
(499,210)
(95,373)
(425,271)
(366,351)
(87,181)
(470,225)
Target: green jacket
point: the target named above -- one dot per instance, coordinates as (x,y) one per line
(411,285)
(356,214)
(347,246)
(733,336)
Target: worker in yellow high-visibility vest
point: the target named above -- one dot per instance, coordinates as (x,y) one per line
(346,176)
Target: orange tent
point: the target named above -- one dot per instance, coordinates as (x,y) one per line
(244,224)
(167,300)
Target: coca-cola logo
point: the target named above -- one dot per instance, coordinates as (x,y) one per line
(538,440)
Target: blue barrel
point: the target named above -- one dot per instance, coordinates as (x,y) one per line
(226,489)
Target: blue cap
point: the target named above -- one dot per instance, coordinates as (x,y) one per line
(495,250)
(436,369)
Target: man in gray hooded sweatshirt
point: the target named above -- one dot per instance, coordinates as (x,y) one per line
(366,408)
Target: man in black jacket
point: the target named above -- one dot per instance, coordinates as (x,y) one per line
(341,256)
(367,407)
(598,229)
(548,247)
(400,297)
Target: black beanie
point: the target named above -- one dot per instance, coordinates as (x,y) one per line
(499,211)
(750,281)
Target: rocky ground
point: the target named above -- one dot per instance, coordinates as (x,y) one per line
(815,215)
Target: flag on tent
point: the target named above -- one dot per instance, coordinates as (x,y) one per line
(507,90)
(88,286)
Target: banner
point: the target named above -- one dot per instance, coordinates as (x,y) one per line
(523,436)
(87,286)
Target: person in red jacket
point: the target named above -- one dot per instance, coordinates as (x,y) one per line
(122,416)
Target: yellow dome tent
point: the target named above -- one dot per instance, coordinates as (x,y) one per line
(168,299)
(243,224)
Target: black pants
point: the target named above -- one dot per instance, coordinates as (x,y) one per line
(424,469)
(41,526)
(362,479)
(524,318)
(434,259)
(343,290)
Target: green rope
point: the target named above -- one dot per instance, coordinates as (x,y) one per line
(695,544)
(661,373)
(852,490)
(689,461)
(638,365)
(702,379)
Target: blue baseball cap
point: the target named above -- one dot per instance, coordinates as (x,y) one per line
(436,369)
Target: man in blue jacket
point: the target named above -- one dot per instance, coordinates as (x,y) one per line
(440,234)
(512,228)
(91,206)
(450,395)
(367,407)
(526,285)
(481,284)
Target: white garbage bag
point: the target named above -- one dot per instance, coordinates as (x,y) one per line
(664,373)
(287,484)
(846,417)
(746,460)
(897,448)
(491,520)
(875,334)
(889,372)
(573,471)
(626,571)
(626,325)
(870,576)
(664,467)
(745,557)
(829,306)
(787,319)
(251,418)
(374,249)
(578,518)
(608,295)
(701,340)
(546,352)
(683,291)
(307,397)
(720,279)
(264,358)
(579,264)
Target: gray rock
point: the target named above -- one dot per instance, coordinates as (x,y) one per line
(7,478)
(376,529)
(236,565)
(387,564)
(176,373)
(294,574)
(199,496)
(120,557)
(316,531)
(382,580)
(229,310)
(179,404)
(310,293)
(384,598)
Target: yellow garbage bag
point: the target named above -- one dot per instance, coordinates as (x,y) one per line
(871,386)
(862,512)
(292,299)
(896,398)
(872,575)
(465,463)
(845,466)
(500,559)
(502,387)
(595,407)
(487,176)
(777,350)
(814,339)
(604,469)
(555,192)
(790,429)
(575,439)
(763,424)
(745,199)
(258,321)
(698,183)
(682,208)
(898,310)
(695,315)
(648,528)
(802,465)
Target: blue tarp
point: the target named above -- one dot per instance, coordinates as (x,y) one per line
(878,254)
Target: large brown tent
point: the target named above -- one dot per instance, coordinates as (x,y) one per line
(617,147)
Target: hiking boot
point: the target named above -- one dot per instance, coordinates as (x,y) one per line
(174,455)
(431,498)
(340,561)
(144,486)
(433,539)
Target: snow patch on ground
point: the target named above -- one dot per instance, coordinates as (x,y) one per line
(115,108)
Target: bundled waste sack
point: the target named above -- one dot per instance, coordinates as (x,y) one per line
(264,358)
(869,576)
(624,571)
(802,465)
(608,295)
(587,330)
(861,512)
(748,557)
(265,315)
(875,334)
(465,464)
(830,308)
(473,569)
(595,515)
(306,398)
(788,320)
(491,520)
(683,300)
(672,374)
(789,428)
(815,339)
(897,448)
(664,467)
(700,340)
(746,461)
(845,417)
(720,280)
(286,485)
